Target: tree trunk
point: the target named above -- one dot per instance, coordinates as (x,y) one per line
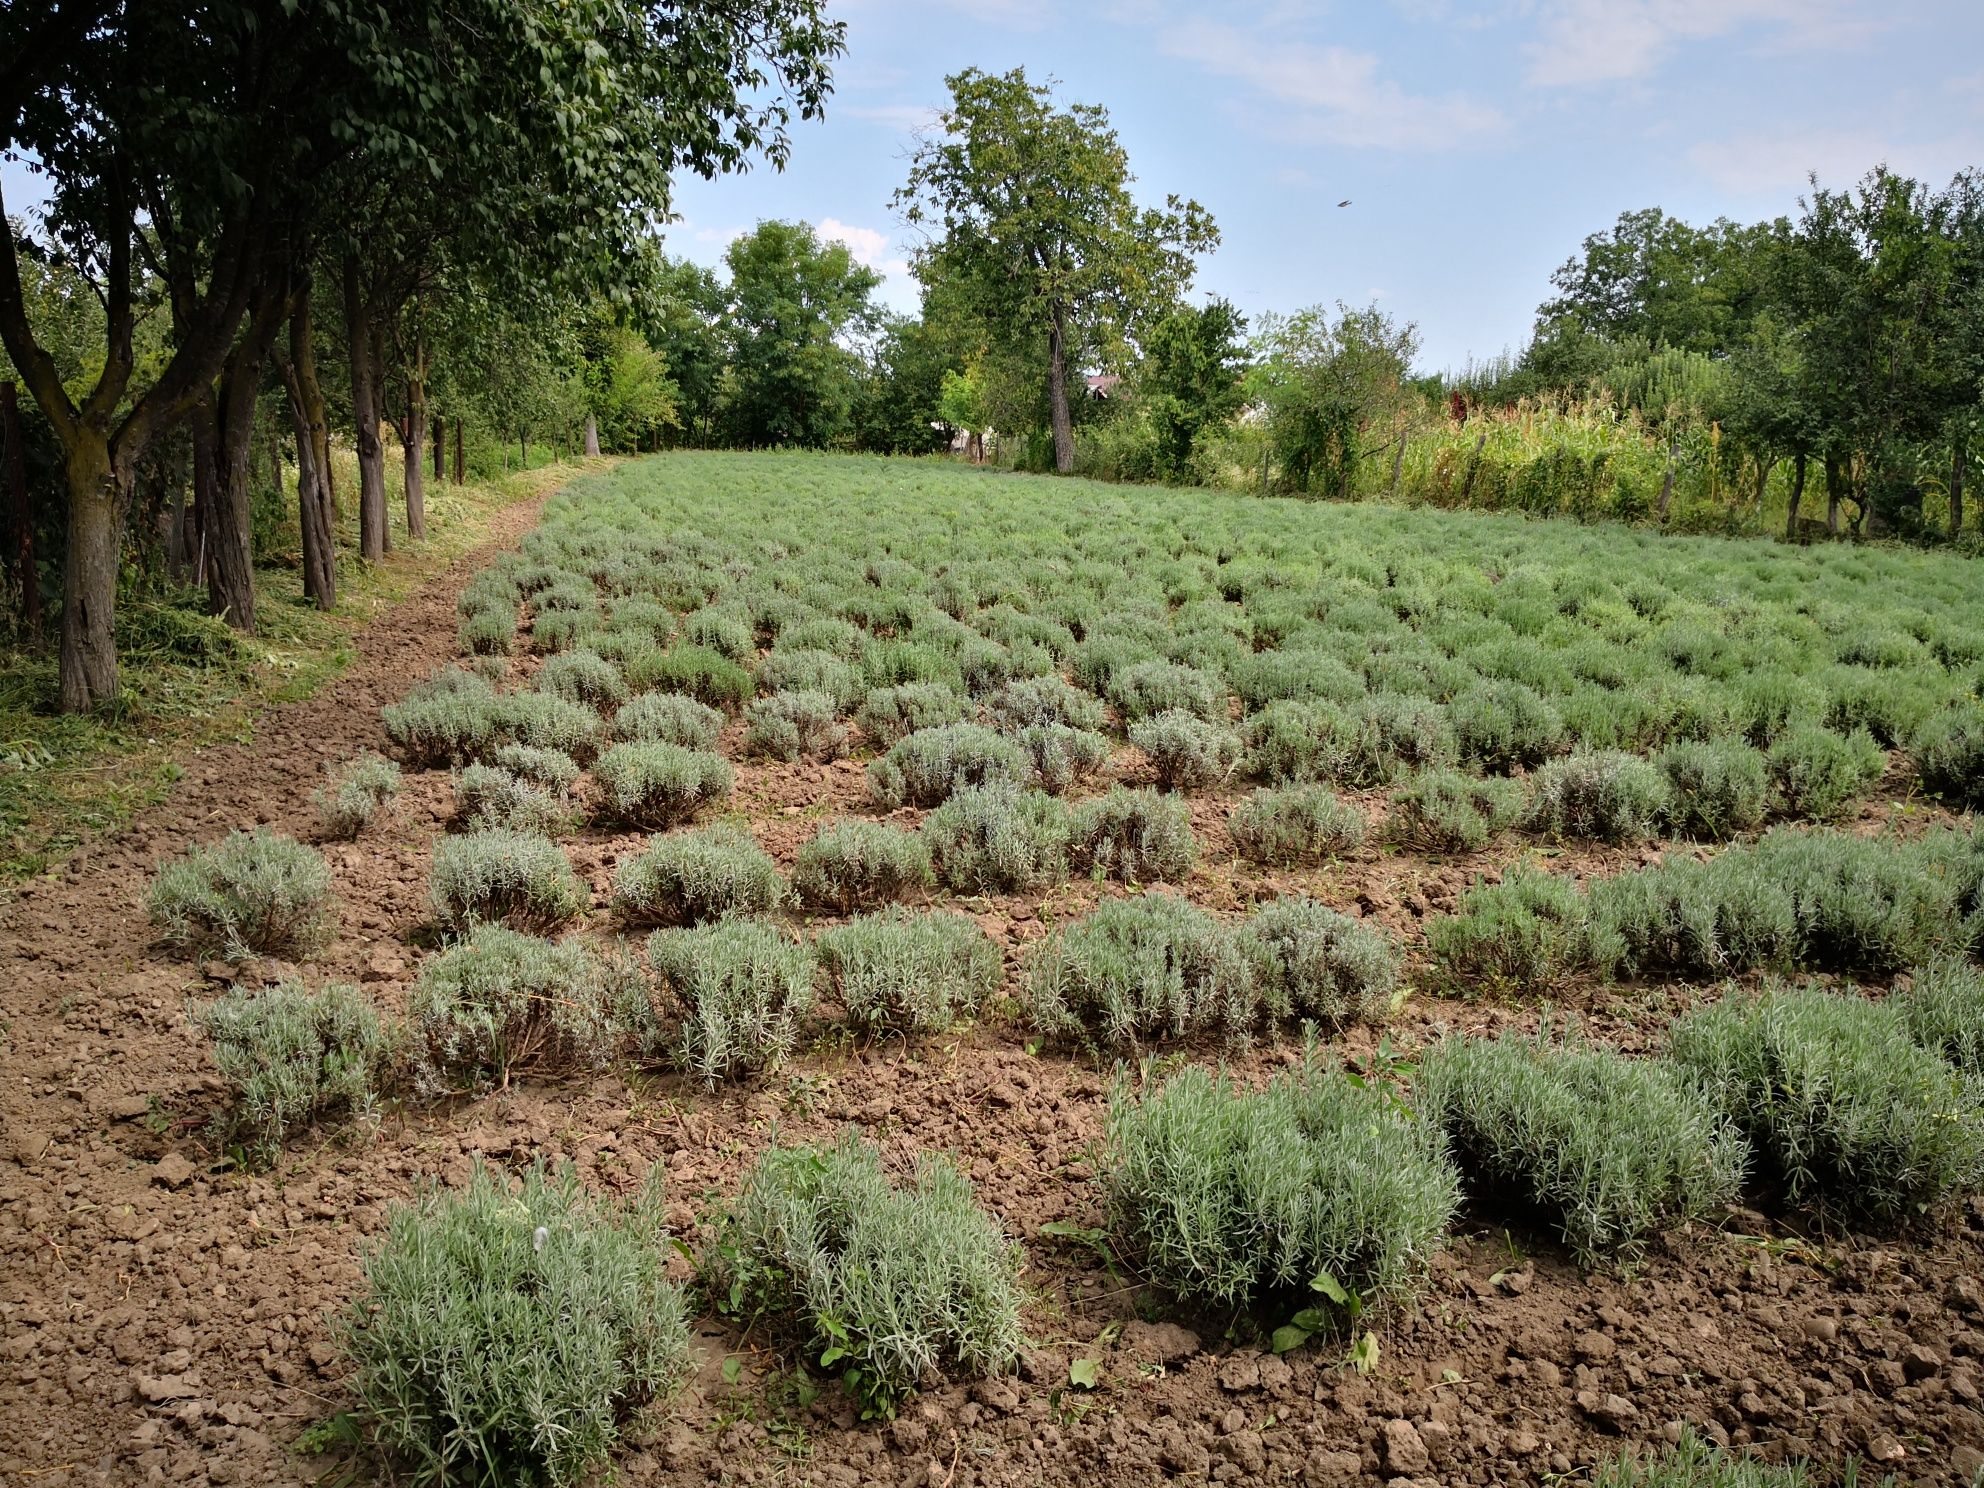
(1667,486)
(202,430)
(98,494)
(231,531)
(365,417)
(25,572)
(412,440)
(523,449)
(314,507)
(1057,395)
(461,468)
(1957,464)
(1398,464)
(1797,495)
(1833,475)
(440,436)
(592,437)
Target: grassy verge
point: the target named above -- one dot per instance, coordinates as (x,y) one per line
(188,681)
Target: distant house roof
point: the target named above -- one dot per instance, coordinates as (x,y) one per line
(1103,386)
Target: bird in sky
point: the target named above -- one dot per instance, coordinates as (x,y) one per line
(1344,203)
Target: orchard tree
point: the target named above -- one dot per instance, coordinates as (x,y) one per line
(1031,221)
(1189,378)
(796,307)
(909,368)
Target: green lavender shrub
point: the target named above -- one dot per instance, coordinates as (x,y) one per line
(1386,733)
(1500,725)
(1061,756)
(1294,742)
(445,721)
(1294,676)
(1304,824)
(686,878)
(1229,1198)
(1135,836)
(1944,1010)
(791,670)
(854,864)
(1889,704)
(1948,754)
(1187,752)
(582,676)
(550,770)
(357,791)
(741,986)
(667,718)
(1444,811)
(499,1003)
(254,893)
(502,876)
(997,839)
(1149,687)
(795,726)
(903,972)
(654,786)
(1717,788)
(291,1058)
(1695,1463)
(723,631)
(1147,968)
(695,671)
(1605,1149)
(1599,795)
(889,714)
(487,796)
(505,1332)
(1843,1110)
(1819,774)
(488,632)
(1528,934)
(930,765)
(876,1283)
(1311,962)
(1030,701)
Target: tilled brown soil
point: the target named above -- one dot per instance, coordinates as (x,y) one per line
(164,1316)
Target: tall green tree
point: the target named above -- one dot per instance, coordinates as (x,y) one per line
(1334,388)
(1190,377)
(1033,225)
(797,305)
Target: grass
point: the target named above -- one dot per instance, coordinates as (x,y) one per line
(188,684)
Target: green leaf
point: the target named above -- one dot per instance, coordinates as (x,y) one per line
(1313,1319)
(733,1369)
(1364,1354)
(1083,1372)
(1289,1337)
(832,1355)
(1330,1287)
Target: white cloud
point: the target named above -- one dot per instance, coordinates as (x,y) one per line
(1584,43)
(908,117)
(1777,163)
(1338,94)
(869,247)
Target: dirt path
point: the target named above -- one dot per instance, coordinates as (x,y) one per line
(162,1321)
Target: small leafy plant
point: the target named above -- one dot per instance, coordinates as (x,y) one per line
(1135,836)
(293,1057)
(357,791)
(502,876)
(741,987)
(1599,795)
(688,877)
(1149,967)
(1310,962)
(875,1282)
(796,725)
(853,864)
(1187,752)
(996,839)
(668,718)
(1296,826)
(505,1332)
(1444,811)
(254,893)
(907,973)
(931,765)
(655,786)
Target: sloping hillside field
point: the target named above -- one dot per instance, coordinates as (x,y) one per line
(827,970)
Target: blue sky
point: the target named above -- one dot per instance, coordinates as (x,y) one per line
(1477,143)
